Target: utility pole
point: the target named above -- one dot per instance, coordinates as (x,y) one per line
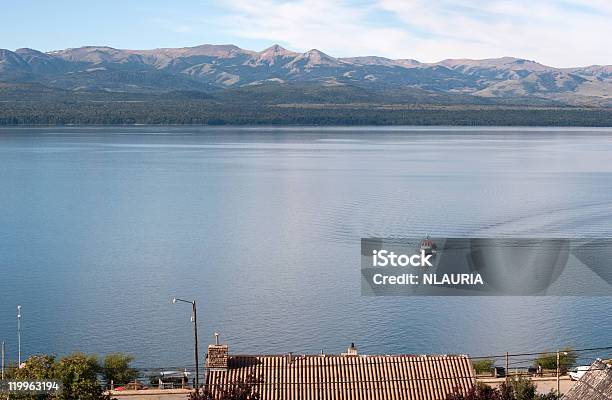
(2,360)
(558,373)
(18,336)
(507,367)
(195,336)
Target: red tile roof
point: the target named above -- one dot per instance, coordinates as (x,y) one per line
(330,377)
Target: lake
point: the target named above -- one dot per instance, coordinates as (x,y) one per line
(101,227)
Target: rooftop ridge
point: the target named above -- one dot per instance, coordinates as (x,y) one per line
(340,355)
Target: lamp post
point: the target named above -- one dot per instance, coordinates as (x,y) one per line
(194,319)
(19,335)
(559,371)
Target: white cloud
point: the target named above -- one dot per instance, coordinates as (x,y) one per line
(329,26)
(558,33)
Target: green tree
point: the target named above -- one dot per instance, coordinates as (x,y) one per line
(483,366)
(79,374)
(117,368)
(567,359)
(37,367)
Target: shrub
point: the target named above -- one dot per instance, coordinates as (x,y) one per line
(516,389)
(79,375)
(117,368)
(237,390)
(484,366)
(77,372)
(520,388)
(567,359)
(478,392)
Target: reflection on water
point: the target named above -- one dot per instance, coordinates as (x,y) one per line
(100,228)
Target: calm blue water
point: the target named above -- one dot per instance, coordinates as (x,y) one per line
(101,227)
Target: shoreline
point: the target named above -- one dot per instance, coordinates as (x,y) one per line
(339,127)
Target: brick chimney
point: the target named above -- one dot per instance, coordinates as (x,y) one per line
(217,357)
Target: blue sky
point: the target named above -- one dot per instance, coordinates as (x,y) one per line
(559,33)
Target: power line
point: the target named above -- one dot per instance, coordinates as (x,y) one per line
(400,359)
(411,358)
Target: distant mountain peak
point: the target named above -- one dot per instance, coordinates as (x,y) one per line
(502,62)
(315,57)
(269,56)
(316,53)
(92,54)
(276,49)
(84,49)
(212,50)
(27,50)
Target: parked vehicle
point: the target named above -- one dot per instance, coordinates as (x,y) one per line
(579,372)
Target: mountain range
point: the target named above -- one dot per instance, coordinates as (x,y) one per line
(216,68)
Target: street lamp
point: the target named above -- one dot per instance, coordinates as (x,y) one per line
(559,371)
(194,319)
(19,335)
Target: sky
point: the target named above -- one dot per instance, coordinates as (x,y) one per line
(562,33)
